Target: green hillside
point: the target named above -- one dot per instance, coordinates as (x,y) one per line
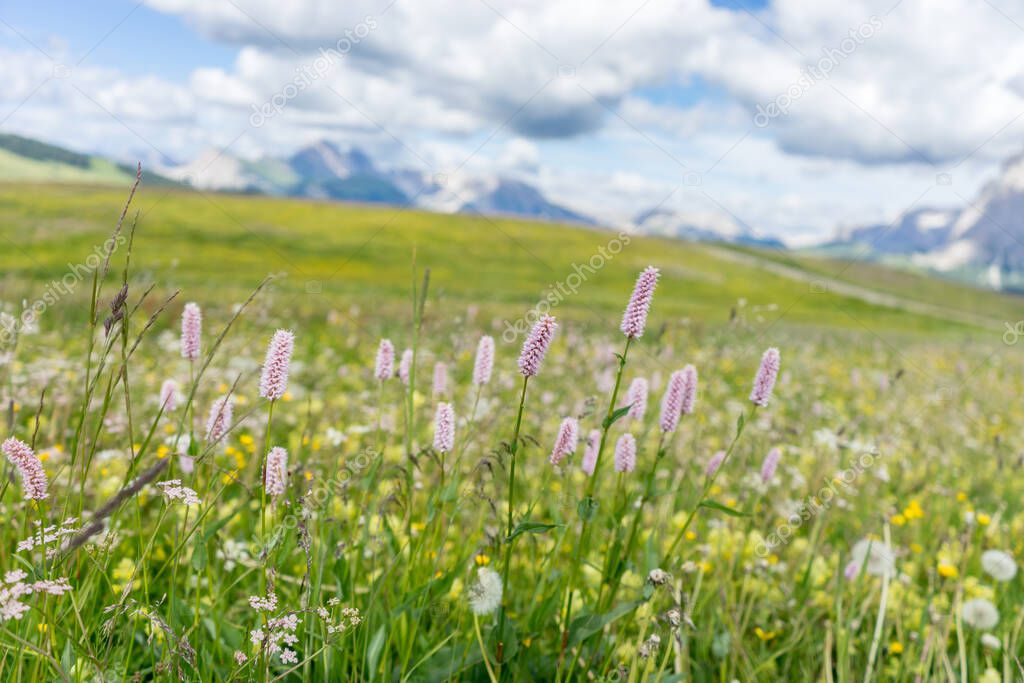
(330,256)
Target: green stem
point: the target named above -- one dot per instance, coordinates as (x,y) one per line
(507,562)
(588,501)
(708,483)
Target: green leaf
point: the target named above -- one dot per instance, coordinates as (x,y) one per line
(373,652)
(741,421)
(530,527)
(199,555)
(587,625)
(616,416)
(587,508)
(715,505)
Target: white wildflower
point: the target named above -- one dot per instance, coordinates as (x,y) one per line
(485,594)
(876,555)
(980,613)
(999,565)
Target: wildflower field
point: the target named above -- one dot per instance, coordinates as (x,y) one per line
(254,439)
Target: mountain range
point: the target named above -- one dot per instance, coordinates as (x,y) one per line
(325,170)
(982,242)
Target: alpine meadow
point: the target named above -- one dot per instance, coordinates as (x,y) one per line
(512,341)
(607,458)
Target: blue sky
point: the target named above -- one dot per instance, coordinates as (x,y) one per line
(125,35)
(610,108)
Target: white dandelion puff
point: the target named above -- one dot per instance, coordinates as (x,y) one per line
(979,613)
(485,594)
(999,565)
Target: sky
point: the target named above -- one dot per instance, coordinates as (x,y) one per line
(791,118)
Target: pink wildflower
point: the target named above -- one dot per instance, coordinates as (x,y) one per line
(220,419)
(191,329)
(714,463)
(672,401)
(536,346)
(765,379)
(33,477)
(565,443)
(625,453)
(636,397)
(169,395)
(635,318)
(771,462)
(444,428)
(484,361)
(275,472)
(274,381)
(589,461)
(385,360)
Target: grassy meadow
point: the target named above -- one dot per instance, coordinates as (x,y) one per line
(863,525)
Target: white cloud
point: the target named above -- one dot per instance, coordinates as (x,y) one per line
(557,89)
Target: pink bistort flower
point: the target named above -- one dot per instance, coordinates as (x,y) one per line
(274,380)
(634,320)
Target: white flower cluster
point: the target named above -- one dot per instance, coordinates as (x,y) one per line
(173,490)
(15,588)
(279,638)
(49,536)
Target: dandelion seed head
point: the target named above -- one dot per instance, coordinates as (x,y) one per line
(999,565)
(980,613)
(874,556)
(485,594)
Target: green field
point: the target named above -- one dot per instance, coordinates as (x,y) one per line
(329,255)
(882,545)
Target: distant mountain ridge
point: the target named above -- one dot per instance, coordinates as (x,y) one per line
(324,170)
(699,227)
(982,242)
